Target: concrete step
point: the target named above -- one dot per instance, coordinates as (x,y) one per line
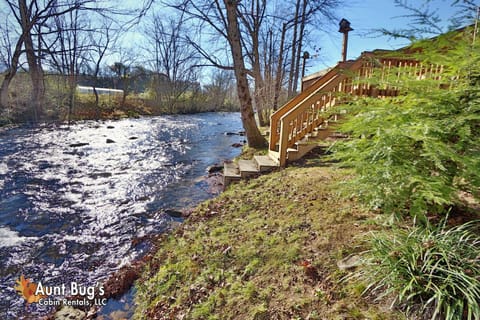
(274,155)
(248,168)
(231,173)
(265,163)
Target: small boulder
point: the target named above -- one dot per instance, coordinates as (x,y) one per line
(110,141)
(349,262)
(79,144)
(69,313)
(173,213)
(215,168)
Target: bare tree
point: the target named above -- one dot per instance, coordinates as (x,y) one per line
(31,17)
(254,138)
(172,57)
(6,33)
(100,41)
(252,18)
(291,74)
(11,55)
(122,71)
(68,50)
(218,89)
(308,13)
(50,28)
(279,72)
(227,21)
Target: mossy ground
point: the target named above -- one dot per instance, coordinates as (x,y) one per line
(264,249)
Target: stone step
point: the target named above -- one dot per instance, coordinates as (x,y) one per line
(248,168)
(274,155)
(231,173)
(265,163)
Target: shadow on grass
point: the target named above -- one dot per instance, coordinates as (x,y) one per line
(317,157)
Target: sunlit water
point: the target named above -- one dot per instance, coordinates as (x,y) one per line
(71,213)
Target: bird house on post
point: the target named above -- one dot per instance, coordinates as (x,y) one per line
(345,29)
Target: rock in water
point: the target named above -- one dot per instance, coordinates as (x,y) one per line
(69,313)
(173,213)
(214,168)
(79,144)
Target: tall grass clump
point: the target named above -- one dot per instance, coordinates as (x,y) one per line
(432,272)
(415,153)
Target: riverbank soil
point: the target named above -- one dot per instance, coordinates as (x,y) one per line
(265,249)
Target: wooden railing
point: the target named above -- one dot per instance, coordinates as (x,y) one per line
(308,110)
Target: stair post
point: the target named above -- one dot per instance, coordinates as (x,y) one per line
(283,143)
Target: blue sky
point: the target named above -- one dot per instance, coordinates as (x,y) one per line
(366,16)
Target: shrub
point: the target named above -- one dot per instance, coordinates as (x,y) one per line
(415,152)
(431,271)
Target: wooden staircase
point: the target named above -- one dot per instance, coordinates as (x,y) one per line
(298,126)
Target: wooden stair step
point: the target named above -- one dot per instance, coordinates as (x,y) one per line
(265,163)
(248,168)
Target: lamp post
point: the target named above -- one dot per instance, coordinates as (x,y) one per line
(345,29)
(305,56)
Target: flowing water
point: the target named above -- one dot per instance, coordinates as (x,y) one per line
(74,199)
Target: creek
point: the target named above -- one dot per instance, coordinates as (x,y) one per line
(75,200)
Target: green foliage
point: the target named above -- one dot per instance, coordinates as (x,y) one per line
(415,152)
(433,271)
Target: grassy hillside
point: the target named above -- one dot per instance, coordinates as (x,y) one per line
(265,249)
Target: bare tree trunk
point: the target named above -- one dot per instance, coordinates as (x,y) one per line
(279,74)
(97,112)
(294,51)
(71,96)
(35,69)
(254,138)
(299,47)
(124,96)
(10,74)
(259,94)
(4,98)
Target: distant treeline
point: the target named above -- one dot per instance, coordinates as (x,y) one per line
(144,93)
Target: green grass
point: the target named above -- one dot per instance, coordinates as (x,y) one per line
(239,256)
(434,272)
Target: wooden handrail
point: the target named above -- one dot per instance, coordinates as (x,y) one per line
(305,112)
(309,113)
(317,85)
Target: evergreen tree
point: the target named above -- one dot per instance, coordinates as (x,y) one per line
(417,153)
